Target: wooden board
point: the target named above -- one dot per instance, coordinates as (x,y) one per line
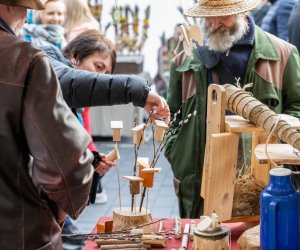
(221,175)
(279,153)
(215,124)
(260,171)
(253,218)
(237,124)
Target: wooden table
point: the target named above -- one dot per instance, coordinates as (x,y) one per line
(236,230)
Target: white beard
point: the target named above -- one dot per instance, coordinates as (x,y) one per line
(222,39)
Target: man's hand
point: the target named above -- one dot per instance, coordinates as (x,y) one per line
(159,105)
(103,166)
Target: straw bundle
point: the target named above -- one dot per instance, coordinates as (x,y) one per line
(246,196)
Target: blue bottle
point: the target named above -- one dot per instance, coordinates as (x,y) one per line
(279,213)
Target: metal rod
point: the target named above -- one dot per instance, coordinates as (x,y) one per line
(119,186)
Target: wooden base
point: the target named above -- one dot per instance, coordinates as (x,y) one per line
(124,219)
(250,239)
(253,218)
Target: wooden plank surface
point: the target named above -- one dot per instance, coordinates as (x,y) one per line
(237,124)
(215,123)
(279,153)
(221,175)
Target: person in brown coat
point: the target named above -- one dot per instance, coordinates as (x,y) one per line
(45,166)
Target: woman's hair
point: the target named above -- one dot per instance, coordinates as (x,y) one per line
(87,43)
(78,12)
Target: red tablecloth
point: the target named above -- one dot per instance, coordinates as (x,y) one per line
(236,230)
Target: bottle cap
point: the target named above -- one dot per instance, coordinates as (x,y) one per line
(280,172)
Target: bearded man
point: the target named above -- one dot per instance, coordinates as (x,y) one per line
(235,48)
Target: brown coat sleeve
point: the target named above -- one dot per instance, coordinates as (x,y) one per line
(56,140)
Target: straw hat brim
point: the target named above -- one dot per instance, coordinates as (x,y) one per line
(30,4)
(212,8)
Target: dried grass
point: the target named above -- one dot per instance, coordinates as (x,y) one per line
(246,196)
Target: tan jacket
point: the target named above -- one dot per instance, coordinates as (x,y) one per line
(45,167)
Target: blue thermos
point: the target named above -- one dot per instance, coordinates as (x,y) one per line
(279,213)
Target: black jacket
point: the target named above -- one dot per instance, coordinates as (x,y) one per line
(85,89)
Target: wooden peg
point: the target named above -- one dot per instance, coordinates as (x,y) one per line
(116,127)
(145,172)
(134,184)
(148,175)
(142,162)
(100,227)
(113,155)
(159,130)
(138,134)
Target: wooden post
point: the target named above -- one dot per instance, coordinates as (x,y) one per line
(215,123)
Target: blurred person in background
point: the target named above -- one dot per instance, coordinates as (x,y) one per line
(277,18)
(260,11)
(294,26)
(47,27)
(78,18)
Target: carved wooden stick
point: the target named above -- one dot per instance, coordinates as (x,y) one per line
(177,228)
(154,240)
(185,238)
(101,242)
(160,226)
(125,246)
(192,228)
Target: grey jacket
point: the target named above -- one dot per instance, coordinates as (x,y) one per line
(84,89)
(45,167)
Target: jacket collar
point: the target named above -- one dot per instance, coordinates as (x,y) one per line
(6,27)
(263,47)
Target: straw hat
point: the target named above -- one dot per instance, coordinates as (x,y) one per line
(211,8)
(30,4)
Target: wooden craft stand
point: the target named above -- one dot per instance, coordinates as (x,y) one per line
(221,152)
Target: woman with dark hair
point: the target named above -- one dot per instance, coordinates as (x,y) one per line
(83,69)
(93,52)
(91,44)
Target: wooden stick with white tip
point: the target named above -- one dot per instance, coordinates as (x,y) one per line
(116,127)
